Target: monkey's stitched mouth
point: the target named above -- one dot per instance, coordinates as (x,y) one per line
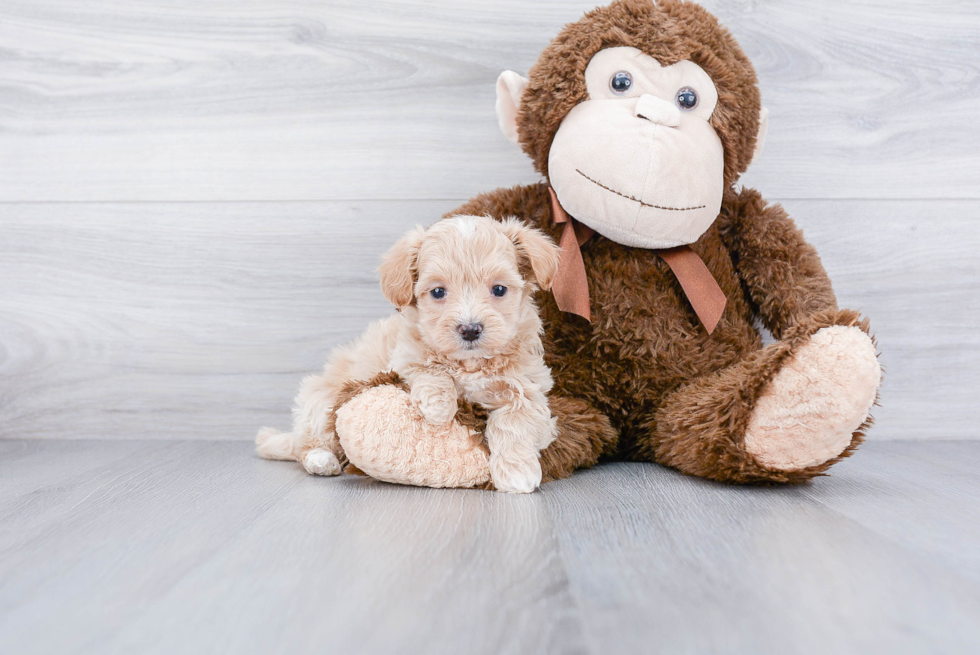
(644,204)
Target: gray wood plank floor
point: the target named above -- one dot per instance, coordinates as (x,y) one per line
(199,547)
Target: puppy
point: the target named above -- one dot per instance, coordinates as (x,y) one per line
(467,327)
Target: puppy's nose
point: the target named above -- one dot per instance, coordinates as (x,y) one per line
(470,331)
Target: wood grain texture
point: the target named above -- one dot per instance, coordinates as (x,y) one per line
(198,547)
(201,547)
(924,476)
(104,100)
(911,267)
(697,567)
(174,321)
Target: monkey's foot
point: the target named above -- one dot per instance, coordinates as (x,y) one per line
(815,403)
(385,436)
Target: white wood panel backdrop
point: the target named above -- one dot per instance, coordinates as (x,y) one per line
(338,99)
(193,195)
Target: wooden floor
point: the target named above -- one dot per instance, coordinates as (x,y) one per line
(199,547)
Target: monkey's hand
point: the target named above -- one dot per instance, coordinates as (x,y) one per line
(436,398)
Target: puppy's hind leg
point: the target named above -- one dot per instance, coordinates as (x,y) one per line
(320,461)
(314,442)
(273,444)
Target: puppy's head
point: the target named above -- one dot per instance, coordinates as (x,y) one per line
(468,281)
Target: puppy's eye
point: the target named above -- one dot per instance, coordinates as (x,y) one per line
(438,293)
(621,82)
(498,290)
(687,98)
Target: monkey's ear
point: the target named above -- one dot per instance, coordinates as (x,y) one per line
(398,269)
(537,254)
(760,138)
(510,88)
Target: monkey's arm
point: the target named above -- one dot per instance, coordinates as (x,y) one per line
(530,203)
(782,273)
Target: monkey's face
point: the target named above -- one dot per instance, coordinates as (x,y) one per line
(638,160)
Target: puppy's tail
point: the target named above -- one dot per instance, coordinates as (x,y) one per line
(273,444)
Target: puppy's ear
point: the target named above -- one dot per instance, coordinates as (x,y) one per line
(398,269)
(537,254)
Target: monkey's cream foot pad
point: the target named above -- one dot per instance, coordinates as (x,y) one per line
(384,435)
(812,407)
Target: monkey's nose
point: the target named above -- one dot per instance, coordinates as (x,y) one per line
(656,110)
(470,331)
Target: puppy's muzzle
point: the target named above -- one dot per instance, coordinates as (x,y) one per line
(470,331)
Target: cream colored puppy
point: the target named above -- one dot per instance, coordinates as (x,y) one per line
(467,327)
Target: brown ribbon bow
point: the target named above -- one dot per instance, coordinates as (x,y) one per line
(571,285)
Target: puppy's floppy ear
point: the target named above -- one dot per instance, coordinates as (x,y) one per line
(537,254)
(398,269)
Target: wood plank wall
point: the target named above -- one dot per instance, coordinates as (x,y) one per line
(194,195)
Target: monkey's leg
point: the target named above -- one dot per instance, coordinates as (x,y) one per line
(584,435)
(384,436)
(785,414)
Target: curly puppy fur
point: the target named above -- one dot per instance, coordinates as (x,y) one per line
(467,328)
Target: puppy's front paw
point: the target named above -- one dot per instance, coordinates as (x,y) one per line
(321,462)
(515,474)
(438,408)
(547,432)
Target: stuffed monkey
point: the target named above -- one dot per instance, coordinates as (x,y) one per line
(641,117)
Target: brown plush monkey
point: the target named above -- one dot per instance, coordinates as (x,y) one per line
(642,116)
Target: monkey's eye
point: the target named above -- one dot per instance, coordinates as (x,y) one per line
(438,293)
(620,82)
(687,98)
(498,290)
